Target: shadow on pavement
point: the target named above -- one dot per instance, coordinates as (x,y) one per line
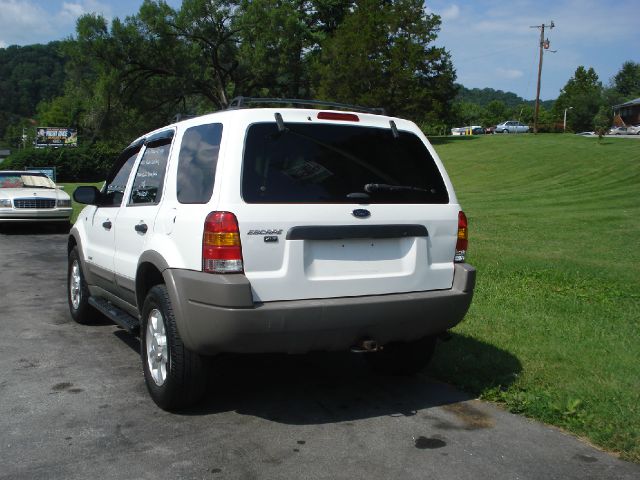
(331,387)
(34,228)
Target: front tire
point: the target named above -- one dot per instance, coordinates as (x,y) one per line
(78,291)
(505,131)
(173,374)
(403,358)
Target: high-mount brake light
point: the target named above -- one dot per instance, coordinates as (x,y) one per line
(345,117)
(463,238)
(221,248)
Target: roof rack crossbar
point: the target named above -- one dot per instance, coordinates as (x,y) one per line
(243,102)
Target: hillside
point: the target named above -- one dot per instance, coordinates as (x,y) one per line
(28,75)
(484,96)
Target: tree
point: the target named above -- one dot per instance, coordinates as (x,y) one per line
(159,62)
(495,112)
(280,40)
(627,80)
(602,120)
(382,54)
(584,93)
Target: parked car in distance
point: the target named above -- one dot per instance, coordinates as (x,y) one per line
(617,131)
(471,129)
(511,126)
(32,197)
(633,130)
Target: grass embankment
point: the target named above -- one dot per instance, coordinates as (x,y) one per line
(554,328)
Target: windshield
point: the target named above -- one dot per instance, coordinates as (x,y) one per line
(311,163)
(25,180)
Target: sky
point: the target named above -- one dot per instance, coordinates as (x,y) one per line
(491,42)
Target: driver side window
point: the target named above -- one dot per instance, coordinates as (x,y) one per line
(114,190)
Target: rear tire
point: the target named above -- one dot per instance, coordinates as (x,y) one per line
(174,375)
(78,291)
(403,358)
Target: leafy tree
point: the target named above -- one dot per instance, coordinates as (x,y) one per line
(602,120)
(383,54)
(467,113)
(495,113)
(627,80)
(584,93)
(280,40)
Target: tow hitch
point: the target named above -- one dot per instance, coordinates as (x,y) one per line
(366,346)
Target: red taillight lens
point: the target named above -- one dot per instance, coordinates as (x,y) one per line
(221,249)
(346,117)
(463,238)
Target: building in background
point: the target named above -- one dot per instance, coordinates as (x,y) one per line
(629,112)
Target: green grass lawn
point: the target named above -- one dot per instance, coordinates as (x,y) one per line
(553,331)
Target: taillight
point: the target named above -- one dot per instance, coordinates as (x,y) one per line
(221,249)
(463,238)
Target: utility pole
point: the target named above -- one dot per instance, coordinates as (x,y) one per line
(544,44)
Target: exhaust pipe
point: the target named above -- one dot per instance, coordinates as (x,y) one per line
(366,346)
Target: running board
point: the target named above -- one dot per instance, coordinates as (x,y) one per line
(120,317)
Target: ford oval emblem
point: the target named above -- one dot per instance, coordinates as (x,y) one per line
(361,213)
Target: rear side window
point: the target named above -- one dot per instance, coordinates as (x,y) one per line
(311,163)
(114,191)
(197,163)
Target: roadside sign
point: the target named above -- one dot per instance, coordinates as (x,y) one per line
(56,137)
(48,171)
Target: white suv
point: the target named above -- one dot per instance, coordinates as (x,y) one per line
(273,230)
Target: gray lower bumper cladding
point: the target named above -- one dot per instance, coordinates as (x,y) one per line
(216,313)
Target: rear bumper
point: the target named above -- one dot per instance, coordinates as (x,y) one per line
(215,313)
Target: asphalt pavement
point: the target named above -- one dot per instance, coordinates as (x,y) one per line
(73,405)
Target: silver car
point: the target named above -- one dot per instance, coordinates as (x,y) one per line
(32,197)
(617,131)
(511,126)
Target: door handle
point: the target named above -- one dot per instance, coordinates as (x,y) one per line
(141,227)
(107,224)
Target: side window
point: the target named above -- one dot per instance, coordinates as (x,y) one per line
(147,184)
(197,163)
(114,191)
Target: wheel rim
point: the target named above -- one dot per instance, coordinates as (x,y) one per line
(75,281)
(157,352)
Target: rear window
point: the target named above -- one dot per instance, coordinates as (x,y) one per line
(311,163)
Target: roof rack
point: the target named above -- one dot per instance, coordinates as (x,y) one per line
(243,102)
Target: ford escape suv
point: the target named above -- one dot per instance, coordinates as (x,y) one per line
(273,230)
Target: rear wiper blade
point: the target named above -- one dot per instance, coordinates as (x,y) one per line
(383,187)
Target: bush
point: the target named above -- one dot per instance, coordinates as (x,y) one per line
(81,164)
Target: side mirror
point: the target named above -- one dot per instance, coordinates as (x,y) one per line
(88,195)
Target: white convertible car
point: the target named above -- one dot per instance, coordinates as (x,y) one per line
(32,197)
